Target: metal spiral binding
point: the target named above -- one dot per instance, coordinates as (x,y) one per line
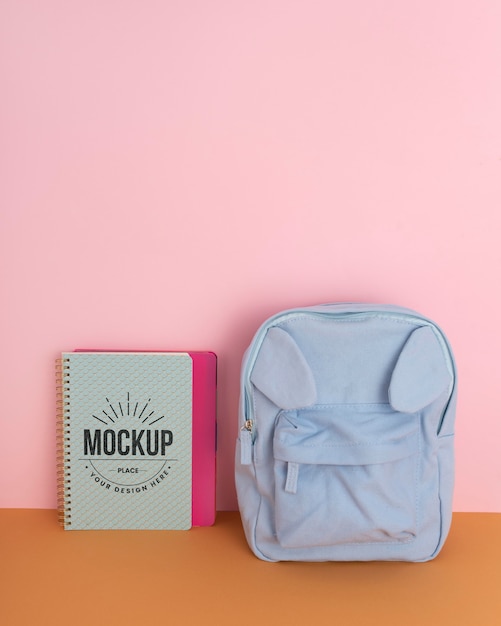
(63,441)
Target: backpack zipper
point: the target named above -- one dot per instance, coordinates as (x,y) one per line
(246,441)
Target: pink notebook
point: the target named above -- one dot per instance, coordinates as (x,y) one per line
(204,438)
(203,434)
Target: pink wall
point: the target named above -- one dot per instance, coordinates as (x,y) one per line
(174,172)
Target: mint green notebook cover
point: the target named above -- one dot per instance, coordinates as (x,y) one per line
(126,441)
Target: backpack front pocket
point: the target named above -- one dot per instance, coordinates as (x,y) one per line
(345,474)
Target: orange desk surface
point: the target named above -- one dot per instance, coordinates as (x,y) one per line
(208,576)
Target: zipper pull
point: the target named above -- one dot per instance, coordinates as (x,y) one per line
(246,443)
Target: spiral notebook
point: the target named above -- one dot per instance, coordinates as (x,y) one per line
(136,440)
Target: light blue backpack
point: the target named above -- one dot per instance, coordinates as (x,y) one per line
(345,448)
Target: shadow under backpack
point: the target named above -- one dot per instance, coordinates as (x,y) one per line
(346,434)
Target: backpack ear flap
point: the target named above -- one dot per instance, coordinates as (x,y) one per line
(421,373)
(282,373)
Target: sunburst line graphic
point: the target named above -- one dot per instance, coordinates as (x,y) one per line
(147,417)
(112,408)
(144,409)
(157,420)
(99,419)
(124,411)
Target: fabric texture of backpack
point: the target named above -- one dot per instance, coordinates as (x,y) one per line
(346,435)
